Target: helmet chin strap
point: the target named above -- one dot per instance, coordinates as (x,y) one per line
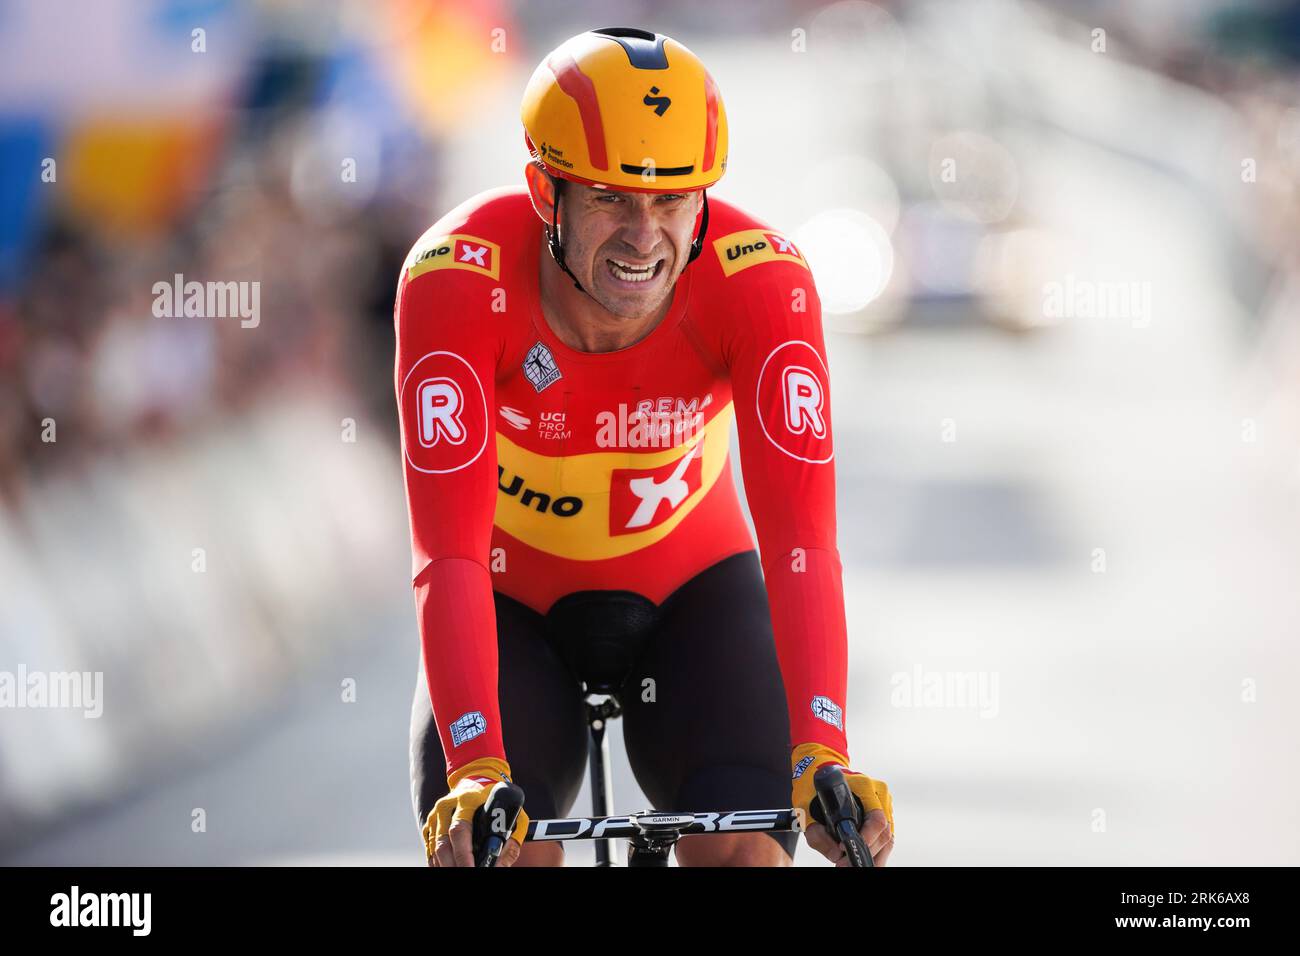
(553,237)
(557,248)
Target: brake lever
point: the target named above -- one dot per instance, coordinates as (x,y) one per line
(837,803)
(495,821)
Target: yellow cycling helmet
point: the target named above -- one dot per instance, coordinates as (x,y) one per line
(623,108)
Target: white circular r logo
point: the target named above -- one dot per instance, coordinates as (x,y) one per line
(440,401)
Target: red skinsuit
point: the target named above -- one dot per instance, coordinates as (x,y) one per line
(538,470)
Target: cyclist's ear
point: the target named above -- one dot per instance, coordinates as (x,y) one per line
(542,190)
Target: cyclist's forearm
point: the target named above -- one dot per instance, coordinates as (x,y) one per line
(807,603)
(457,618)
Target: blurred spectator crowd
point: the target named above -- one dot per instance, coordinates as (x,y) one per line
(251,191)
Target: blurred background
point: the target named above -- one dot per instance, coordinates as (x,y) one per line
(1058,246)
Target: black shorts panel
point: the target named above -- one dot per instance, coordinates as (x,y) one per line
(710,733)
(716,735)
(543,721)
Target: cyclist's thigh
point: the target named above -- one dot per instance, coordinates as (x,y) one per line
(543,721)
(716,734)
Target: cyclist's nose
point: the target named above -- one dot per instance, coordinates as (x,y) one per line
(641,230)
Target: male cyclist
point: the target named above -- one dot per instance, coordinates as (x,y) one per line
(570,357)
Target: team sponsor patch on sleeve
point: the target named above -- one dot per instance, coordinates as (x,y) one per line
(749,247)
(468,726)
(456,251)
(824,708)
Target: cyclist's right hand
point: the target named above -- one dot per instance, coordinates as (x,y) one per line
(877,828)
(448,830)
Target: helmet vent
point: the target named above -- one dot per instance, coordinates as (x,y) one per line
(645,50)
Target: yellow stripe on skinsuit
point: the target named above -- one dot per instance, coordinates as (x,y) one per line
(561,505)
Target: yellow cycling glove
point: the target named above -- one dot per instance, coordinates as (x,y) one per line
(469,786)
(804,761)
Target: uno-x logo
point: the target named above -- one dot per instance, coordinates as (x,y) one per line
(565,506)
(467,252)
(637,495)
(749,247)
(660,103)
(457,251)
(444,414)
(793,402)
(630,500)
(781,244)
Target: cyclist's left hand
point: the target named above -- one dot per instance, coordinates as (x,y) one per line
(877,827)
(448,839)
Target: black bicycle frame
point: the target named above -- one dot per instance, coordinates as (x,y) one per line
(598,717)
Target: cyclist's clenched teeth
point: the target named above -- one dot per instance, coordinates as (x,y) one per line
(632,272)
